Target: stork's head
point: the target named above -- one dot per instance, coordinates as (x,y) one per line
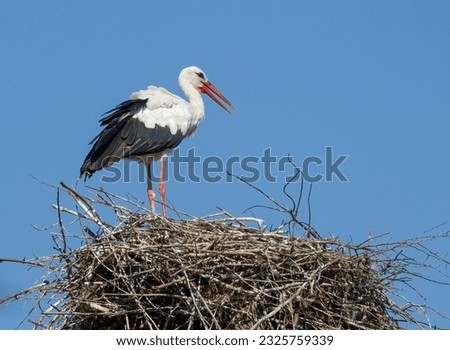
(197,78)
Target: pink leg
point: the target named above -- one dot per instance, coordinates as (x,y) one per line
(151,199)
(162,186)
(150,193)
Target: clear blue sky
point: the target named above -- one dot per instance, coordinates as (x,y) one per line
(369,78)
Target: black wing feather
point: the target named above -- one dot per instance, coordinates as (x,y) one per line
(125,137)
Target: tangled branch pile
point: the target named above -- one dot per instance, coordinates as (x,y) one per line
(149,272)
(162,274)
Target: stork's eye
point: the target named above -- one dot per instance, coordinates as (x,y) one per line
(200,75)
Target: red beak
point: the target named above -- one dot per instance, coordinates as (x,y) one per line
(212,92)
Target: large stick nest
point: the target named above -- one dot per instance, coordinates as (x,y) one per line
(149,272)
(163,274)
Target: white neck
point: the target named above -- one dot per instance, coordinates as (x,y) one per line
(195,99)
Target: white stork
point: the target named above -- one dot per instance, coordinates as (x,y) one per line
(151,124)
